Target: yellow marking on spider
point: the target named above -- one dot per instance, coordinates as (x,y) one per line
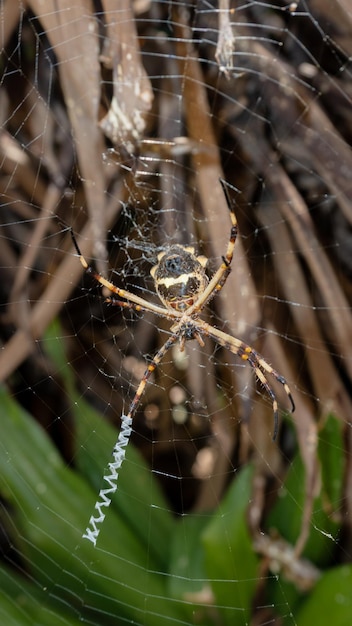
(83,262)
(288,391)
(170,282)
(247,353)
(139,390)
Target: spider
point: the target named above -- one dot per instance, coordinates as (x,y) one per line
(184,289)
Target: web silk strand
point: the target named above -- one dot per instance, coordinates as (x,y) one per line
(104,499)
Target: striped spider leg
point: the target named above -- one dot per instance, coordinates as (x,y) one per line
(184,289)
(255,360)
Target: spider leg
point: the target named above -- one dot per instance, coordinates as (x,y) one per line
(122,293)
(218,280)
(255,360)
(124,304)
(263,380)
(148,372)
(104,499)
(267,367)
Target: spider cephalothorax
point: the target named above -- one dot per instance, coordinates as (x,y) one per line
(179,277)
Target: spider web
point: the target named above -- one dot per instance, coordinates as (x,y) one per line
(118,120)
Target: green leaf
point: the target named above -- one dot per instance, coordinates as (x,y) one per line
(285,517)
(139,500)
(332,459)
(49,505)
(24,604)
(330,602)
(231,564)
(188,579)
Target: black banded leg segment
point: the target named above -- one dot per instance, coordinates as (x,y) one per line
(136,302)
(257,362)
(125,304)
(227,258)
(280,379)
(234,225)
(148,372)
(219,279)
(253,362)
(98,277)
(249,354)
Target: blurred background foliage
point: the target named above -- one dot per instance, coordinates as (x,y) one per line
(269,541)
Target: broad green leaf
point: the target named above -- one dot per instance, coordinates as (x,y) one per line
(330,602)
(188,579)
(332,460)
(138,500)
(49,504)
(231,564)
(24,604)
(285,517)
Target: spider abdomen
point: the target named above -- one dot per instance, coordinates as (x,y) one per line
(179,293)
(179,277)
